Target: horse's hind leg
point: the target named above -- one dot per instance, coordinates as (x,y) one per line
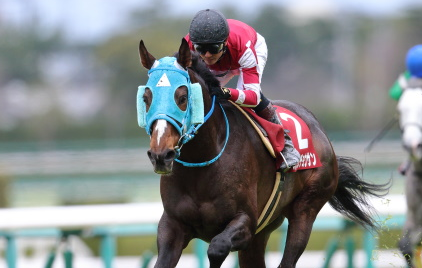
(236,236)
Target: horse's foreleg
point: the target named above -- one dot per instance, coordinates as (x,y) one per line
(406,248)
(298,234)
(171,239)
(301,219)
(408,241)
(254,255)
(235,236)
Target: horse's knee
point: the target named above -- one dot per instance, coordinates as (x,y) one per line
(218,250)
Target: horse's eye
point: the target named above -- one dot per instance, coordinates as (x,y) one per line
(182,99)
(147,98)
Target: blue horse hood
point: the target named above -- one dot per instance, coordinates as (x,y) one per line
(165,77)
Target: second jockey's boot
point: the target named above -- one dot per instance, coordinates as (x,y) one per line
(290,155)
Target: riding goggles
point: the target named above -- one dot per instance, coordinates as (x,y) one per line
(211,48)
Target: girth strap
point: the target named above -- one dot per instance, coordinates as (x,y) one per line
(272,202)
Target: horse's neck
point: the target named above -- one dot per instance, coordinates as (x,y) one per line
(410,107)
(417,166)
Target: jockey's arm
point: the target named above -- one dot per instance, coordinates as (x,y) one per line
(247,94)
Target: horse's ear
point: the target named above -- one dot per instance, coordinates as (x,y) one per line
(147,60)
(185,56)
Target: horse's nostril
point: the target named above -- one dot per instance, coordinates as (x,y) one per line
(167,156)
(151,156)
(170,155)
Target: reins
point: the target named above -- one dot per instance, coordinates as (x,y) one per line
(190,134)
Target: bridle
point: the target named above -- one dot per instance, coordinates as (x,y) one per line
(191,134)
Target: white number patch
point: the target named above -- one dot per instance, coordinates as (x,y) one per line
(303,143)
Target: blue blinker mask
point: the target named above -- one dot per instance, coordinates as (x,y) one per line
(165,76)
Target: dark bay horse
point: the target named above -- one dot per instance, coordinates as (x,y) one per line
(217,185)
(410,111)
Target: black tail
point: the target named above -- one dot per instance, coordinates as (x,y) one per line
(350,198)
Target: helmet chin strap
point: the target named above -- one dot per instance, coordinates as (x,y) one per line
(226,72)
(224,52)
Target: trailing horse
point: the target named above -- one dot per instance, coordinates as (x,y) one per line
(218,176)
(410,110)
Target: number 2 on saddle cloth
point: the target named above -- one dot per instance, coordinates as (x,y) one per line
(299,133)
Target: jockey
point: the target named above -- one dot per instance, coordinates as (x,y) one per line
(411,78)
(232,48)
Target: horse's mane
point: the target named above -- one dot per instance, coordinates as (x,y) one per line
(200,68)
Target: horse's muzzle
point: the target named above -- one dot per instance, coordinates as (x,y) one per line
(163,161)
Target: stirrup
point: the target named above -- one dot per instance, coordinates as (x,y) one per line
(287,166)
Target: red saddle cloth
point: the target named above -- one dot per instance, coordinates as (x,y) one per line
(299,133)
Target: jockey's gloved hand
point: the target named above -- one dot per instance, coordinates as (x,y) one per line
(222,93)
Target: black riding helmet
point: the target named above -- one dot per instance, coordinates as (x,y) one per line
(208,26)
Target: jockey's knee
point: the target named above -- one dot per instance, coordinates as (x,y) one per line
(262,104)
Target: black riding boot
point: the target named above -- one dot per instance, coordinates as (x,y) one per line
(290,155)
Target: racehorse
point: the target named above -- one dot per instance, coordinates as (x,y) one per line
(217,176)
(410,111)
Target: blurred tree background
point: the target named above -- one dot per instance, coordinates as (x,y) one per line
(340,67)
(58,92)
